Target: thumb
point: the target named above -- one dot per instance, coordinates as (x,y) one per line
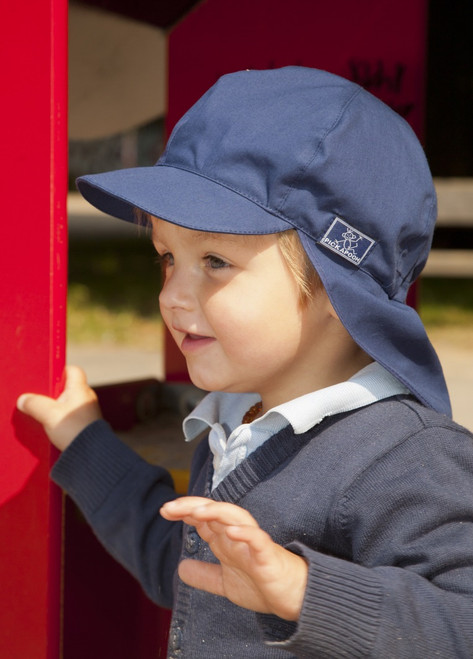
(37,406)
(201,575)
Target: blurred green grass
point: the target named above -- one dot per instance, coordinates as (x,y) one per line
(114,286)
(113,292)
(446,303)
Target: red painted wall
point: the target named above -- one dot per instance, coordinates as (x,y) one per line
(379,43)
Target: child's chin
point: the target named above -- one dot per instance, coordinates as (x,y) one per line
(201,382)
(208,383)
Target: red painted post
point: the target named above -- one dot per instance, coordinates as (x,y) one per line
(33,185)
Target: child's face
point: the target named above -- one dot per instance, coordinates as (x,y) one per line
(232,307)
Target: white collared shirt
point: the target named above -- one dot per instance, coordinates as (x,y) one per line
(231,441)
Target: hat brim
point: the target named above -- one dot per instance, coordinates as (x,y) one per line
(180,197)
(390,331)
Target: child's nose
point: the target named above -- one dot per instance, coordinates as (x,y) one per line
(177,292)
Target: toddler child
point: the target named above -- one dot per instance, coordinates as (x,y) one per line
(330,507)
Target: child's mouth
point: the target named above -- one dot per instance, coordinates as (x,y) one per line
(192,342)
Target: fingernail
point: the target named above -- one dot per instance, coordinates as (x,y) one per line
(20,402)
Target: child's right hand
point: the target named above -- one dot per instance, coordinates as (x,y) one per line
(254,572)
(63,419)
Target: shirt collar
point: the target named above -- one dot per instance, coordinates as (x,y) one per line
(218,407)
(369,385)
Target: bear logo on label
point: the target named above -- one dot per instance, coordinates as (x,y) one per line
(347,242)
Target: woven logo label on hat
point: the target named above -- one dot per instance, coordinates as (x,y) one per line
(346,241)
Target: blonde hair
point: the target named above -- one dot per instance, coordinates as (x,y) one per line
(295,256)
(299,264)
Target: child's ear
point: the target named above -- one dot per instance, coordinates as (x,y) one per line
(330,309)
(324,304)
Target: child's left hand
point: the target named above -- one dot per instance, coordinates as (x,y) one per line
(254,572)
(64,418)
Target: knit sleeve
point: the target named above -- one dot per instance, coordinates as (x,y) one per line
(406,524)
(120,495)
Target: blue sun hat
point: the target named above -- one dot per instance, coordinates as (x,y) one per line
(267,151)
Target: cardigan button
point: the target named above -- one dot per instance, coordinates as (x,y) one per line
(175,638)
(192,542)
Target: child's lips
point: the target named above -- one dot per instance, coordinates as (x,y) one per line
(193,342)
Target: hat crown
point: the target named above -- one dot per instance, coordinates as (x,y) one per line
(308,146)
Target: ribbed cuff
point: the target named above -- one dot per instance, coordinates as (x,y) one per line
(341,609)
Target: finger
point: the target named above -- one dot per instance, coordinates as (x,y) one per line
(177,509)
(238,544)
(205,576)
(227,514)
(76,386)
(261,548)
(75,376)
(37,406)
(198,509)
(258,540)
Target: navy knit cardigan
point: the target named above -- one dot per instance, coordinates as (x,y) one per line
(378,500)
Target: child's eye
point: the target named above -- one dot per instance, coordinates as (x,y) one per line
(165,260)
(215,262)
